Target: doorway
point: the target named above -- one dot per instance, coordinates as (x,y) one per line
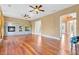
(38,27)
(67,30)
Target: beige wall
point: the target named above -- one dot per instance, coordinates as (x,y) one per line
(17,21)
(1,25)
(51,23)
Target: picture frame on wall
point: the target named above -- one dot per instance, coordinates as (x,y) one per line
(26,28)
(11,28)
(20,28)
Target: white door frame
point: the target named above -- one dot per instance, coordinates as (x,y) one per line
(66,43)
(38,27)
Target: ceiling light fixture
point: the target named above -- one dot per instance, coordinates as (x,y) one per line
(26,16)
(37,9)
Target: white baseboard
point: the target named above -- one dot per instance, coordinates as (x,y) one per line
(36,33)
(52,37)
(13,34)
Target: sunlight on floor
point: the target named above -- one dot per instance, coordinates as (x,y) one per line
(63,48)
(39,41)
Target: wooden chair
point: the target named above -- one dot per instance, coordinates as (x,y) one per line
(74,41)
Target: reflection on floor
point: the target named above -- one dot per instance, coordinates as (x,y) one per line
(31,45)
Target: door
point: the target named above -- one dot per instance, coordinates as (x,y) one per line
(38,27)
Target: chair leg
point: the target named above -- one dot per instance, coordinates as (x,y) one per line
(71,49)
(76,49)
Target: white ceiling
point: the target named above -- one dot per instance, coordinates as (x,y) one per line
(18,10)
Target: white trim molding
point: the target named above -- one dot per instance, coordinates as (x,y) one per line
(15,33)
(52,37)
(37,33)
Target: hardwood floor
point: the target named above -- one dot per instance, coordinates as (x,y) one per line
(30,45)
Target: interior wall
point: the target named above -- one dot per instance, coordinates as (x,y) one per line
(16,22)
(78,21)
(1,25)
(51,23)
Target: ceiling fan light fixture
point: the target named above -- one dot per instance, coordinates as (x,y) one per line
(26,16)
(37,9)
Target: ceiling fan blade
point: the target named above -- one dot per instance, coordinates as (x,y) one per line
(31,10)
(36,6)
(32,7)
(29,17)
(40,6)
(25,15)
(42,10)
(26,18)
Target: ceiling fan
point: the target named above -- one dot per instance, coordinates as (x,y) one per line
(37,9)
(26,16)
